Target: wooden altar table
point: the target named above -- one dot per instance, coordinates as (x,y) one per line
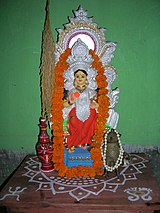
(31,190)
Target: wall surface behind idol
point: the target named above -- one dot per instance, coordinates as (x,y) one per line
(134,25)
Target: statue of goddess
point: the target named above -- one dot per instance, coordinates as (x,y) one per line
(82,57)
(83,112)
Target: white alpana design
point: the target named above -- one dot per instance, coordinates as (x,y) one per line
(81,187)
(14,192)
(137,193)
(82,34)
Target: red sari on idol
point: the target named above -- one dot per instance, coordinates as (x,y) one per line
(80,132)
(81,120)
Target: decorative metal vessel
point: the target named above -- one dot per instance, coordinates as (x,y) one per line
(44,148)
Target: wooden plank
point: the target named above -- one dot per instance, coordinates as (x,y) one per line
(24,192)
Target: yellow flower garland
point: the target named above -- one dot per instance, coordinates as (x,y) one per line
(57,119)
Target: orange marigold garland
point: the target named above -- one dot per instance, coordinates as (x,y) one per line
(57,119)
(103,109)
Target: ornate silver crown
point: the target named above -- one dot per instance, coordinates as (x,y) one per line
(84,28)
(80,59)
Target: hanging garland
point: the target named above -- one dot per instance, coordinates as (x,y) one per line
(104,151)
(57,119)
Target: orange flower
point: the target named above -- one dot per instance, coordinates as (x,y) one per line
(101,78)
(100,171)
(103,91)
(102,84)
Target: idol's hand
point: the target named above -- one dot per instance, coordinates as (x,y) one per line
(94,105)
(72,97)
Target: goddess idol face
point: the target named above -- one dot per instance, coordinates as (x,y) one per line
(80,79)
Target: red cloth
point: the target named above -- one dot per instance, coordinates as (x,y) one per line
(81,132)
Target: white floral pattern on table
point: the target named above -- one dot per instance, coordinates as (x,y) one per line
(137,193)
(82,187)
(15,192)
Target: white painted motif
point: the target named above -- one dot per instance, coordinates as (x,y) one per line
(82,187)
(15,192)
(137,193)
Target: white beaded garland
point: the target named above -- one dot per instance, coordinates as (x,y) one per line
(103,152)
